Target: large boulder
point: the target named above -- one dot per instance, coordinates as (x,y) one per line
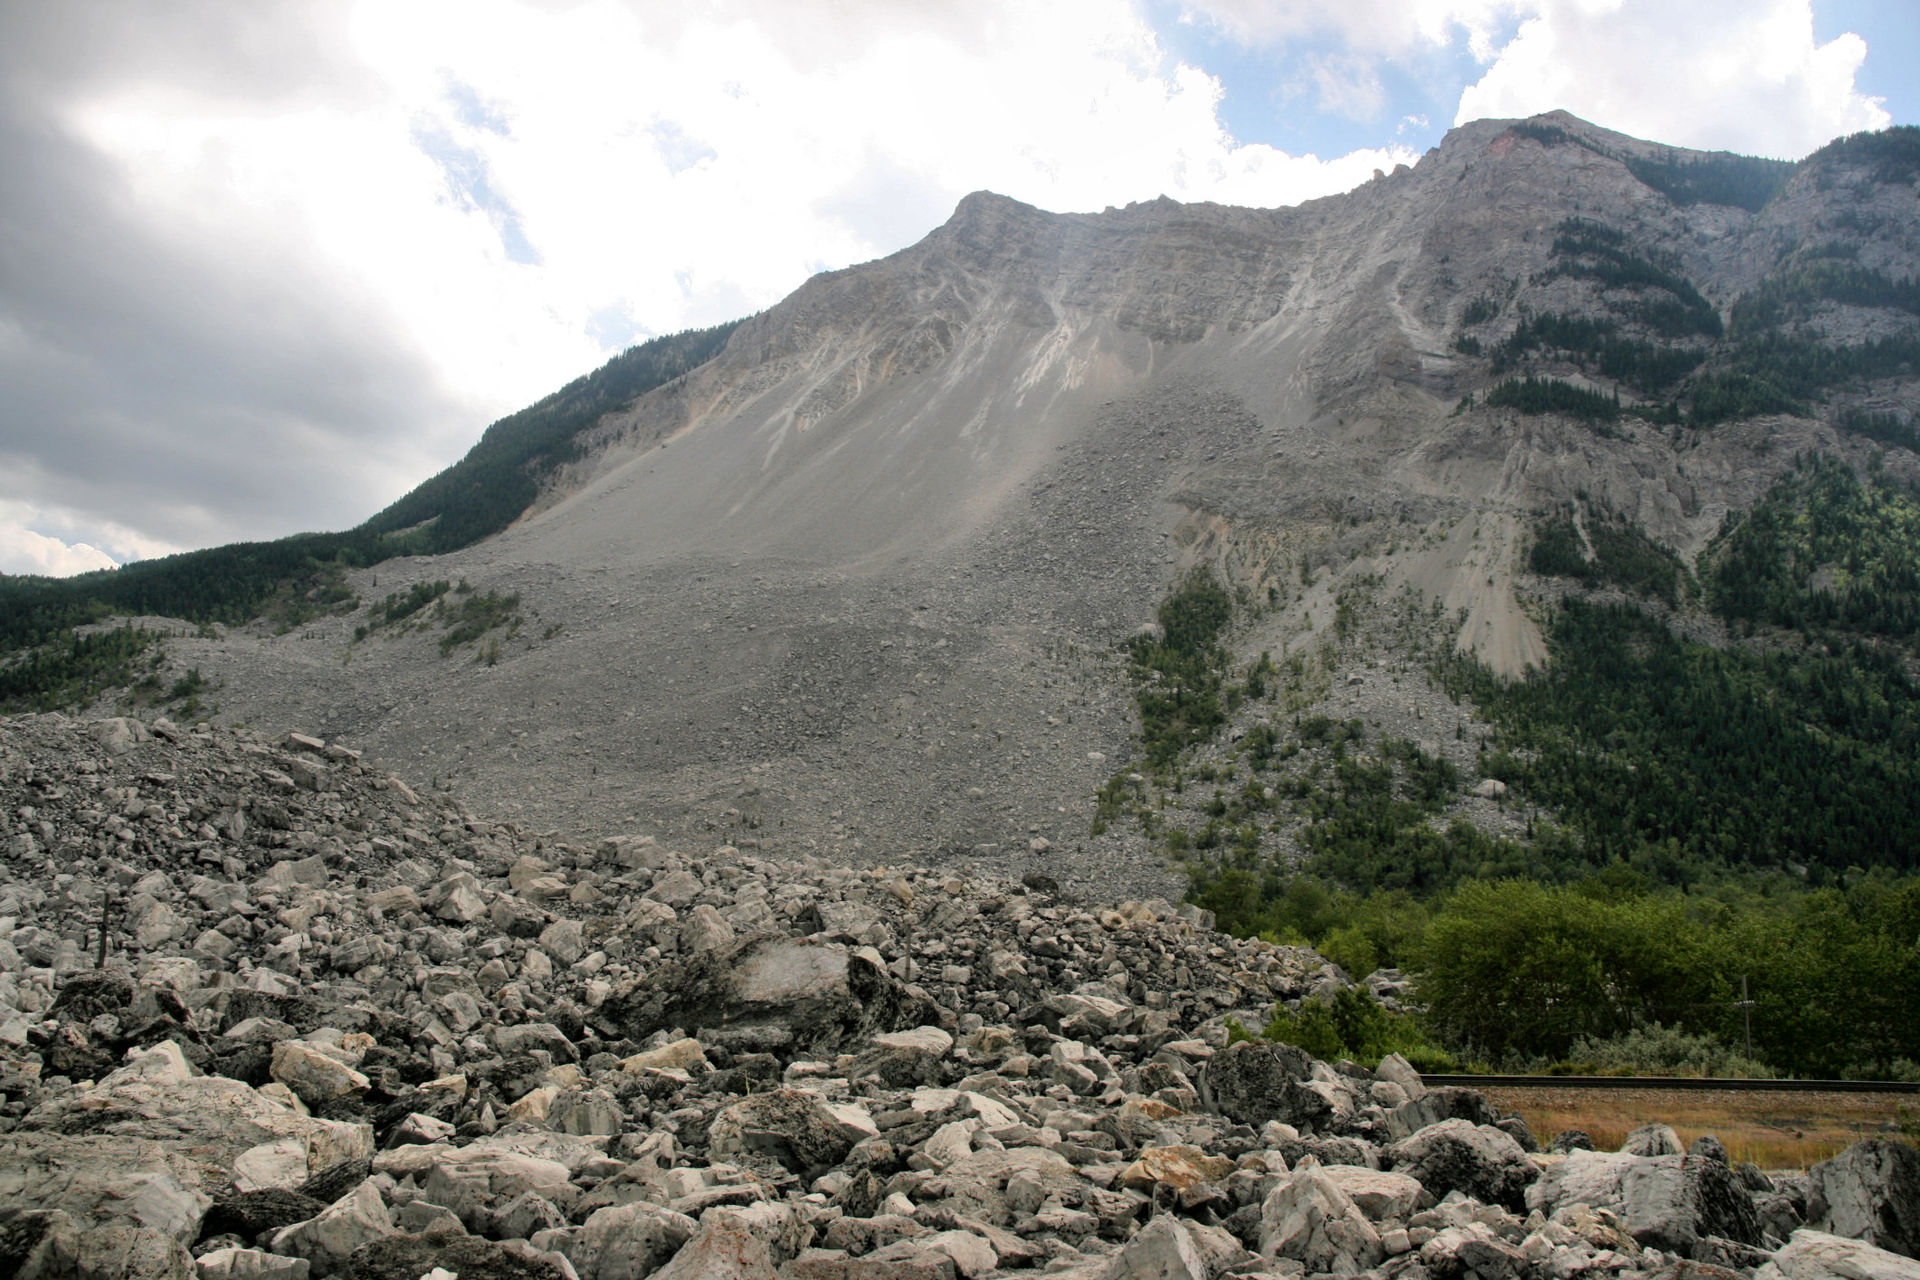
(1667,1202)
(100,1180)
(42,1244)
(1815,1255)
(627,1241)
(1474,1159)
(159,1097)
(1162,1250)
(411,1257)
(1431,1106)
(788,1126)
(1871,1192)
(726,1248)
(329,1238)
(1255,1081)
(773,993)
(1310,1219)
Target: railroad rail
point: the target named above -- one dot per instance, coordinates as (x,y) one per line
(1685,1083)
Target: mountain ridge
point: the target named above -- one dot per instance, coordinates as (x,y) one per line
(874,556)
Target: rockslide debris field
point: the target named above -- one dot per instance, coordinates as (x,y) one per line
(348,1029)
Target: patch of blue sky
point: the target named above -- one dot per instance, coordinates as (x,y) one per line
(466,173)
(679,150)
(1314,95)
(1891,29)
(470,109)
(615,329)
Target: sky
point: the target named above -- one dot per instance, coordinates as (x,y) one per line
(264,267)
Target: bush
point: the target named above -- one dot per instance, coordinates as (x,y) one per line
(1351,1024)
(1657,1050)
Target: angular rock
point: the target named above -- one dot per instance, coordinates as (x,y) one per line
(250,1213)
(156,1097)
(40,1244)
(1254,1082)
(1180,1167)
(1870,1192)
(314,1076)
(677,1055)
(725,1248)
(98,1180)
(1398,1070)
(1163,1250)
(1473,1250)
(627,1242)
(905,1058)
(704,929)
(1816,1255)
(997,1187)
(1379,1194)
(1653,1140)
(1666,1202)
(787,1126)
(329,1238)
(765,992)
(415,1257)
(1430,1107)
(1310,1219)
(280,1164)
(472,1180)
(251,1264)
(1476,1160)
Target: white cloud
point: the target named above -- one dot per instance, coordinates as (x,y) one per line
(482,199)
(43,540)
(1735,75)
(668,174)
(1741,75)
(22,550)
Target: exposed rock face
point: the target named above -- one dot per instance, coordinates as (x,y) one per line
(369,1087)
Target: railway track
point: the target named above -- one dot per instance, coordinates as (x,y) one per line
(1682,1083)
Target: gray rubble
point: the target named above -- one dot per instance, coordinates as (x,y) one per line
(347,1028)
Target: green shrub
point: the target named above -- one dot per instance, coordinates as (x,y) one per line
(1351,1024)
(1657,1050)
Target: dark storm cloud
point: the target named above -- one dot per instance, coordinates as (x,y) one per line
(190,383)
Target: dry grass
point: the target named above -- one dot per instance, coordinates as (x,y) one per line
(1775,1130)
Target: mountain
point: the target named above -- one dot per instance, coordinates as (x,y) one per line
(865,580)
